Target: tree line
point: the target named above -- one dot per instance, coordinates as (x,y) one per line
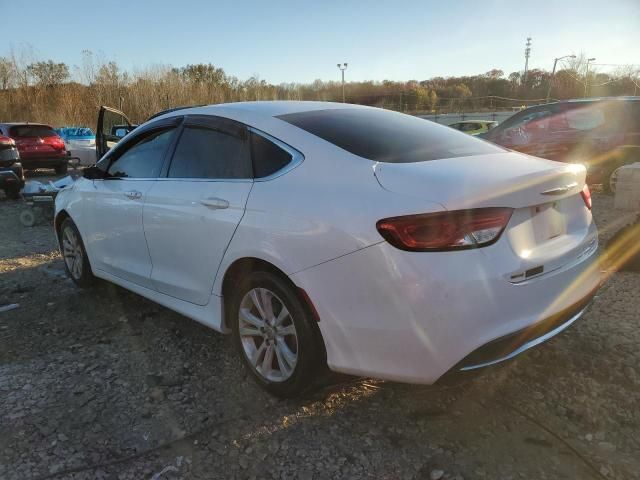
(46,91)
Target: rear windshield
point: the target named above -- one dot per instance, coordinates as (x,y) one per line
(386,136)
(31,131)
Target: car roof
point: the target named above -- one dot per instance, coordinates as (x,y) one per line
(20,124)
(598,99)
(267,108)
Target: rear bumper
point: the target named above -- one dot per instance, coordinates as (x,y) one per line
(412,317)
(44,162)
(11,176)
(511,345)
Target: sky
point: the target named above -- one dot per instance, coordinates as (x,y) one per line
(289,41)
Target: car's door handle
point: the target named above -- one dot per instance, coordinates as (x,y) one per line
(215,203)
(133,195)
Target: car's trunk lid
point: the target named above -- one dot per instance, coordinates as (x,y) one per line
(550,226)
(505,179)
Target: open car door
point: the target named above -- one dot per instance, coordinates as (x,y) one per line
(113,125)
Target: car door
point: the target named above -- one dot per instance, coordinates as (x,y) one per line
(116,243)
(113,125)
(191,215)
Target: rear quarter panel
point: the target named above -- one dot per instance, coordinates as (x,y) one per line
(324,208)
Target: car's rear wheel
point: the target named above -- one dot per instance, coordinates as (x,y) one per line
(76,262)
(275,334)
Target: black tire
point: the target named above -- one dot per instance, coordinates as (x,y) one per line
(62,168)
(311,361)
(12,192)
(85,277)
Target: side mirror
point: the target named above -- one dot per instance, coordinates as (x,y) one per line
(92,173)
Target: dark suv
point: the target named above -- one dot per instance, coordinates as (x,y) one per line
(39,145)
(11,175)
(601,133)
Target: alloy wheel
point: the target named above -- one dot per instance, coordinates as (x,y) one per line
(268,335)
(72,252)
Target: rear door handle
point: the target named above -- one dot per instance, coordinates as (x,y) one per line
(133,195)
(215,203)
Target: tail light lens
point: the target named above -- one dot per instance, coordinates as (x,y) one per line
(443,231)
(55,142)
(7,141)
(586,196)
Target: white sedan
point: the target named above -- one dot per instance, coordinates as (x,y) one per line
(324,234)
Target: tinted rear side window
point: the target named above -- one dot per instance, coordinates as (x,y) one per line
(268,157)
(206,153)
(26,131)
(386,136)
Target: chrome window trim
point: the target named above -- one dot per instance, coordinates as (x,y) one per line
(296,157)
(165,179)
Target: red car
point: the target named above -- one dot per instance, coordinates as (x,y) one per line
(601,133)
(39,146)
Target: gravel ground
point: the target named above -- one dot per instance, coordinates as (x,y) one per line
(103,384)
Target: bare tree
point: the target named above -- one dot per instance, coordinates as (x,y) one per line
(49,73)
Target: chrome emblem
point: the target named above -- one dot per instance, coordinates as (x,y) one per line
(560,190)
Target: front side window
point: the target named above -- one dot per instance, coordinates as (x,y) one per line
(385,136)
(144,159)
(268,157)
(206,153)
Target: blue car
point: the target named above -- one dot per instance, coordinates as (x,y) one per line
(80,142)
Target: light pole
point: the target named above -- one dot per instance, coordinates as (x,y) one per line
(586,76)
(527,52)
(553,72)
(342,67)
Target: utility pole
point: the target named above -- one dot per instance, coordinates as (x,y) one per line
(342,67)
(586,76)
(527,52)
(553,72)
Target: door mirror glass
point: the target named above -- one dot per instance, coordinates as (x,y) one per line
(120,132)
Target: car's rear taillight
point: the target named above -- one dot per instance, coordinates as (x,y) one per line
(586,196)
(442,231)
(7,141)
(55,142)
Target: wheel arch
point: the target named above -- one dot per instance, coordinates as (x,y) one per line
(245,265)
(61,216)
(235,271)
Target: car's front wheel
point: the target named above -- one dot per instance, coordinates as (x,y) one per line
(275,334)
(76,262)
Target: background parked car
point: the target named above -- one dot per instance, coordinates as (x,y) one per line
(11,175)
(601,133)
(39,145)
(474,127)
(80,142)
